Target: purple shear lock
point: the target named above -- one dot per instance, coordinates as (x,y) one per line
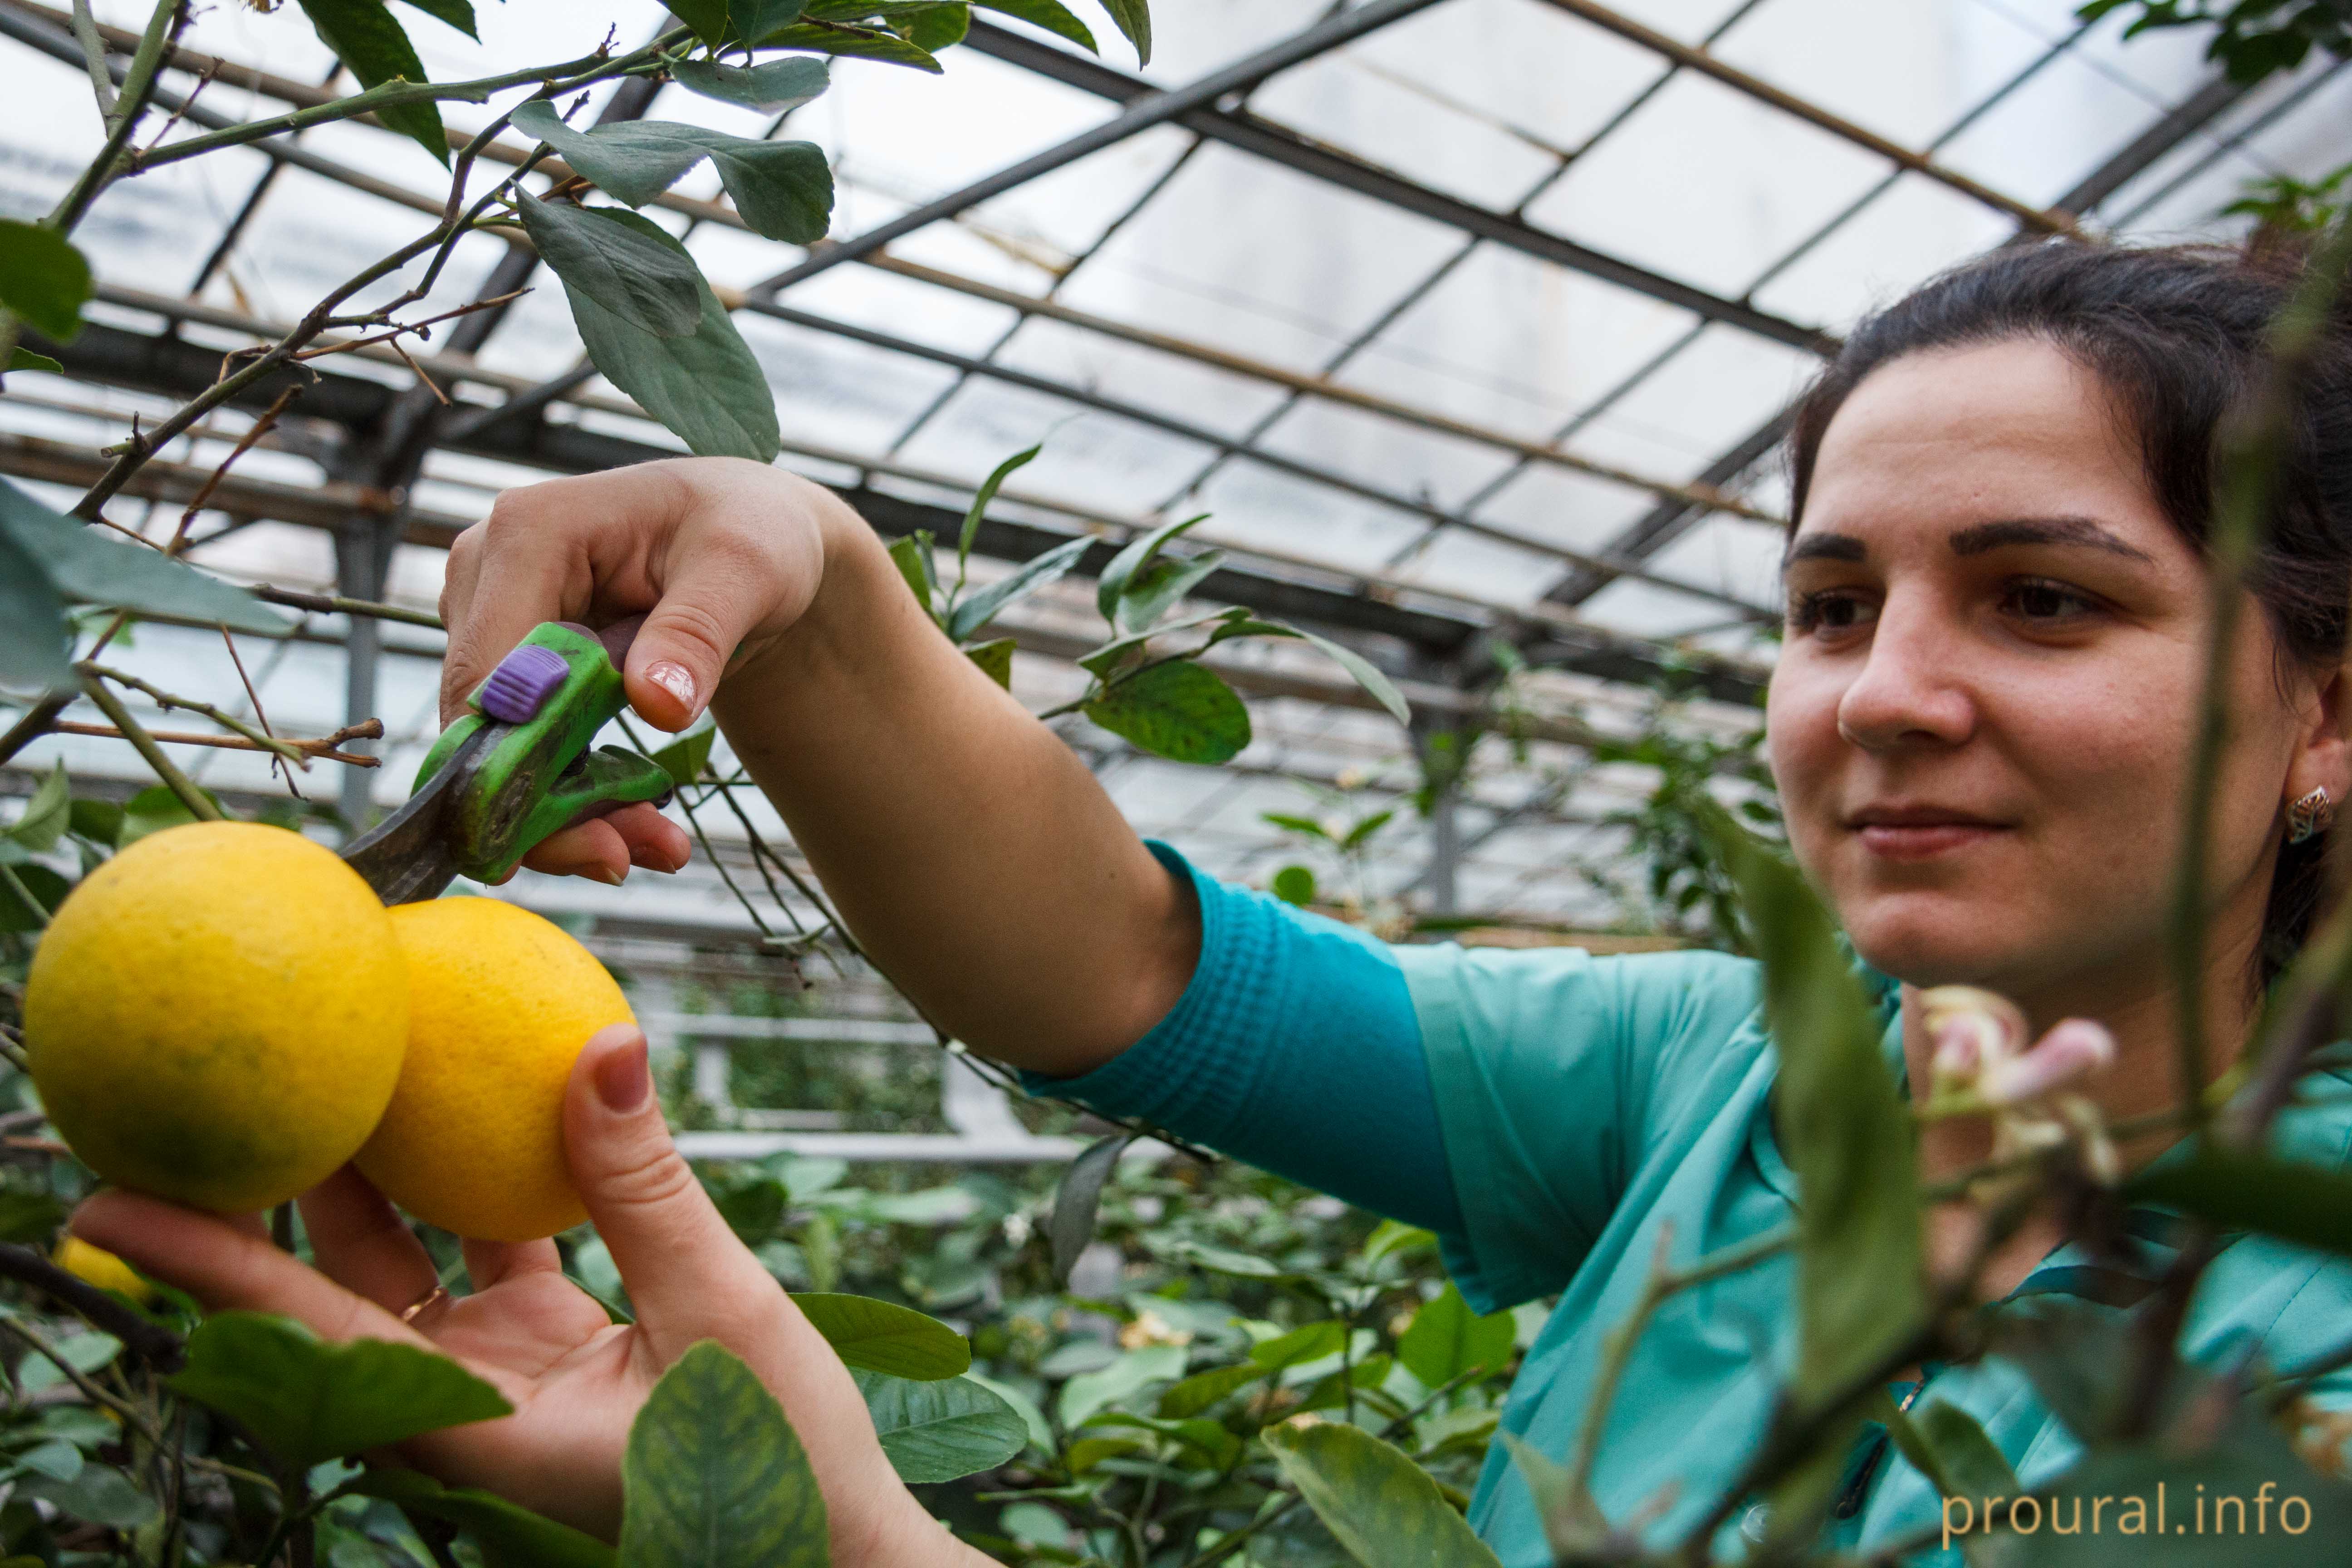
(522,683)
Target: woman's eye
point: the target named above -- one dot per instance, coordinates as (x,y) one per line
(2047,603)
(1833,610)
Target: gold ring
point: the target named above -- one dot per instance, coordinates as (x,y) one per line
(433,1298)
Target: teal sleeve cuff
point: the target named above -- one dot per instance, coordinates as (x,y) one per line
(1296,1047)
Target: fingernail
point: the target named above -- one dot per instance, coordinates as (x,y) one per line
(622,1079)
(608,875)
(675,680)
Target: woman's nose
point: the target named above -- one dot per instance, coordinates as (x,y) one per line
(1911,688)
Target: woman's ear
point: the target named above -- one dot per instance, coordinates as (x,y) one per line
(2323,755)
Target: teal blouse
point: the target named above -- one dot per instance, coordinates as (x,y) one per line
(1549,1113)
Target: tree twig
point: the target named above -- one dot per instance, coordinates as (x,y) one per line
(194,799)
(336,605)
(323,750)
(152,1343)
(258,739)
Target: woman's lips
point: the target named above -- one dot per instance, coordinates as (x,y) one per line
(1920,833)
(1923,841)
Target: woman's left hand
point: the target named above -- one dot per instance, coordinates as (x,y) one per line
(574,1378)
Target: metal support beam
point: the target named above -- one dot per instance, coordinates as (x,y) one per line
(1152,108)
(1265,140)
(1739,81)
(516,268)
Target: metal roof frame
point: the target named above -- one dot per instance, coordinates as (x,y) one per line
(387,431)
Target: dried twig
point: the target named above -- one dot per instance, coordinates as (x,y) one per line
(198,804)
(322,749)
(262,740)
(336,605)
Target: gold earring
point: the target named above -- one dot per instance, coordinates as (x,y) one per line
(2308,816)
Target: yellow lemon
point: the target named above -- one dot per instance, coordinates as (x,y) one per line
(96,1266)
(216,1016)
(501,1001)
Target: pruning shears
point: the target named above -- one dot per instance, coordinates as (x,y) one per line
(514,768)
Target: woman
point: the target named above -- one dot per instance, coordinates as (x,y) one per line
(1980,724)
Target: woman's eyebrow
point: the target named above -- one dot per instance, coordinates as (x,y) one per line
(1824,547)
(1984,536)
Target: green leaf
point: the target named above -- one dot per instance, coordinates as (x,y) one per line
(633,161)
(458,14)
(366,37)
(647,285)
(1842,1126)
(1050,14)
(44,280)
(912,552)
(1367,675)
(308,1401)
(100,821)
(1204,1389)
(1132,1372)
(706,388)
(683,758)
(508,1536)
(1133,17)
(1300,1346)
(1446,1340)
(982,496)
(2311,1204)
(22,358)
(772,87)
(45,814)
(1291,823)
(1215,1447)
(46,886)
(864,44)
(939,1431)
(996,659)
(99,1494)
(882,1336)
(755,19)
(1945,1444)
(782,189)
(29,1217)
(1294,885)
(1180,711)
(1380,1506)
(1363,831)
(714,1476)
(151,810)
(1224,1261)
(82,564)
(707,17)
(1157,588)
(1077,1199)
(971,615)
(1131,560)
(84,1352)
(941,27)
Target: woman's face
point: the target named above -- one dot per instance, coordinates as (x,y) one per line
(1980,721)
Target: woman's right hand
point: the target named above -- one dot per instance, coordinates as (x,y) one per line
(721,555)
(979,862)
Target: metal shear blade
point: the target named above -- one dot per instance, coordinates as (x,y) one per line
(407,858)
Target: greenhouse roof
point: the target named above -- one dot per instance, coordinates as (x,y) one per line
(1469,322)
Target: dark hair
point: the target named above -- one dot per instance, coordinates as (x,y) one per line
(2178,335)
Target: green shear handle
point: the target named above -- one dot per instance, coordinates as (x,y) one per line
(515,768)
